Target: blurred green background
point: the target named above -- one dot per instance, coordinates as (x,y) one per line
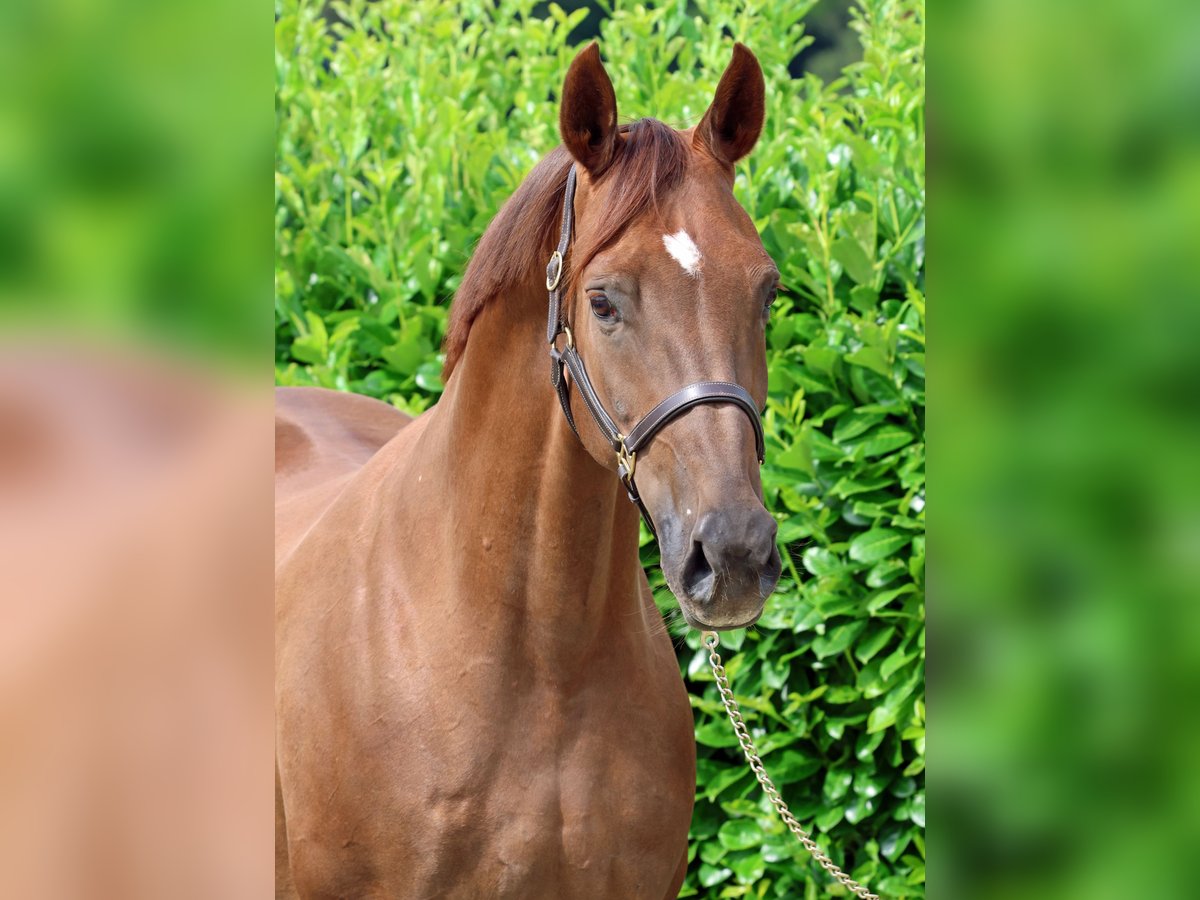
(1066,156)
(129,161)
(401,129)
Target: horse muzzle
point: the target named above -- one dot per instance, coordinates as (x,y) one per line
(728,569)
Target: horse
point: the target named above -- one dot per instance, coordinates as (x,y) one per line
(476,695)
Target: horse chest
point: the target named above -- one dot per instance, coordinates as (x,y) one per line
(418,763)
(510,793)
(596,805)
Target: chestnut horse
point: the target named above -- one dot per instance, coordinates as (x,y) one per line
(476,695)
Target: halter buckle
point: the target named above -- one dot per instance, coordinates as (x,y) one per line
(626,463)
(556,263)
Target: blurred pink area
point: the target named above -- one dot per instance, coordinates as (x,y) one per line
(136,725)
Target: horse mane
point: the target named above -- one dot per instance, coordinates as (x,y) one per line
(650,162)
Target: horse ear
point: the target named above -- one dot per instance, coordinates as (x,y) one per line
(587,119)
(730,128)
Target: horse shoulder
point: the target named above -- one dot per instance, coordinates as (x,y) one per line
(321,431)
(323,439)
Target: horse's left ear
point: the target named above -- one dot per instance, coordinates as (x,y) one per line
(730,128)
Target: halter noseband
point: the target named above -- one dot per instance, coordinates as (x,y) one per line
(626,446)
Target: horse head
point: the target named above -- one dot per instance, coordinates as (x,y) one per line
(671,288)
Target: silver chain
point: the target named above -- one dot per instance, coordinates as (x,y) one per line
(710,640)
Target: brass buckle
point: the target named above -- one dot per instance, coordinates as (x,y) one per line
(552,283)
(570,337)
(626,463)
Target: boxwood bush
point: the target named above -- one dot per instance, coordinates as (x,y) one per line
(403,125)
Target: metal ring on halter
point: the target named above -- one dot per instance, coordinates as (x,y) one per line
(552,283)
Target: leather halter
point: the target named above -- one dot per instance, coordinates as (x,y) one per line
(625,446)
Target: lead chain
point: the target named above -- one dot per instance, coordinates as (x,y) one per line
(710,640)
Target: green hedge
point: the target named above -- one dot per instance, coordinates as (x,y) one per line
(398,140)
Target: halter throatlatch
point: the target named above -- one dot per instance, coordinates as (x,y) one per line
(625,446)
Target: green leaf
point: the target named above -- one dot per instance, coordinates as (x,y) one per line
(918,809)
(896,661)
(842,694)
(748,869)
(830,817)
(789,766)
(877,641)
(882,573)
(740,834)
(859,808)
(837,784)
(820,446)
(853,259)
(883,440)
(820,561)
(837,639)
(404,357)
(864,298)
(884,715)
(882,598)
(429,377)
(711,875)
(881,717)
(854,423)
(847,487)
(716,785)
(894,842)
(821,359)
(878,543)
(313,346)
(870,358)
(781,332)
(791,530)
(309,349)
(712,852)
(717,733)
(795,457)
(867,744)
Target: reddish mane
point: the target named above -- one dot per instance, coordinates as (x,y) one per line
(517,244)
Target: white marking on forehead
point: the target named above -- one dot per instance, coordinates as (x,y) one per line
(684,251)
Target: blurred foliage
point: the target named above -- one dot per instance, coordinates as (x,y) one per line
(401,130)
(1069,192)
(123,205)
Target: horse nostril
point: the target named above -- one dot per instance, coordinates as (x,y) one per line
(697,573)
(763,532)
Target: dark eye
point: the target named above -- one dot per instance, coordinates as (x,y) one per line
(771,295)
(601,308)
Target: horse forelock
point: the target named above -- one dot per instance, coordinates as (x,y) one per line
(650,163)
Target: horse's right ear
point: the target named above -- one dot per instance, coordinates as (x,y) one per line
(587,119)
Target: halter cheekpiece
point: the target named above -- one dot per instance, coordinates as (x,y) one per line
(625,446)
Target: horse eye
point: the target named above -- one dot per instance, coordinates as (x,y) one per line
(601,308)
(770,301)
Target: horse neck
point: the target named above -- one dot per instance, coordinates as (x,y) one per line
(548,539)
